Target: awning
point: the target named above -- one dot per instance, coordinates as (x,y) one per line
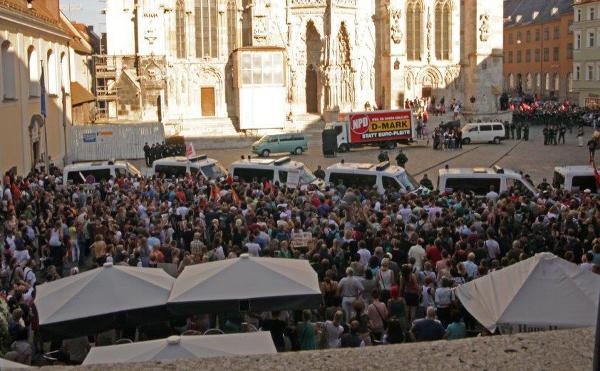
(80,95)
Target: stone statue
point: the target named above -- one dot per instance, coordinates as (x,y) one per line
(395,26)
(484,31)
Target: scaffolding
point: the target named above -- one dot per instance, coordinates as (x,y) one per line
(105,68)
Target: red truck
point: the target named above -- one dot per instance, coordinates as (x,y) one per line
(375,128)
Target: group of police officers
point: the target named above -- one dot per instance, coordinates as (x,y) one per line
(157,151)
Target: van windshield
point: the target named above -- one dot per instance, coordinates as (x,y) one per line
(213,171)
(407,181)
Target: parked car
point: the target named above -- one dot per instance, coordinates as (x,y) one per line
(488,132)
(280,143)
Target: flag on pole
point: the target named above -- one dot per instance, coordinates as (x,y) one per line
(43,94)
(191,152)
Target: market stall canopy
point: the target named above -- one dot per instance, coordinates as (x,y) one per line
(180,347)
(246,283)
(101,298)
(539,293)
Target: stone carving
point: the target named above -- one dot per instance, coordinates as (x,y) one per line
(395,25)
(484,31)
(309,2)
(260,30)
(292,88)
(429,36)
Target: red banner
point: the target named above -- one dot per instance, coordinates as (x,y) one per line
(380,126)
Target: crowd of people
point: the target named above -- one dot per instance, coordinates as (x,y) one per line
(386,263)
(157,151)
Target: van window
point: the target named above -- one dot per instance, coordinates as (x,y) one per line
(95,175)
(286,139)
(120,172)
(485,128)
(584,182)
(346,179)
(519,186)
(249,174)
(354,180)
(282,176)
(298,137)
(498,127)
(170,170)
(212,171)
(479,186)
(558,181)
(472,129)
(389,183)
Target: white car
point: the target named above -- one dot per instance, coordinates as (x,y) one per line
(365,175)
(273,170)
(575,178)
(178,166)
(488,132)
(480,180)
(96,172)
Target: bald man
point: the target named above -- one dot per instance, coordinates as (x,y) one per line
(428,328)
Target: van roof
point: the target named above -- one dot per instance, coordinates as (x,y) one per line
(365,166)
(476,170)
(81,165)
(267,162)
(575,170)
(183,159)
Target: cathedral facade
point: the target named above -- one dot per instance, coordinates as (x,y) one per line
(190,59)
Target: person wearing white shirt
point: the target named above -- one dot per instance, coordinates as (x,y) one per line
(253,247)
(365,254)
(418,252)
(492,195)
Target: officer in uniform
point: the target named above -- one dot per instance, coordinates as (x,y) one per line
(562,130)
(506,130)
(544,185)
(426,182)
(526,131)
(383,156)
(546,133)
(319,173)
(512,130)
(147,154)
(401,159)
(553,133)
(519,131)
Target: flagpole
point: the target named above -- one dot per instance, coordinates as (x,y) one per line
(44,114)
(46,144)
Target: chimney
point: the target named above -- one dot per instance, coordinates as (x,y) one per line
(52,6)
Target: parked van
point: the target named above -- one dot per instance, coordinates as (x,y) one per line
(273,170)
(178,166)
(96,172)
(488,132)
(575,178)
(280,143)
(383,176)
(479,180)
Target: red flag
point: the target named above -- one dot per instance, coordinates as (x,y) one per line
(235,197)
(215,193)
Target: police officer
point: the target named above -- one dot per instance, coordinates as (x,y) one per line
(426,182)
(518,131)
(526,131)
(147,154)
(383,156)
(544,185)
(319,173)
(546,133)
(562,130)
(506,130)
(553,134)
(401,159)
(512,130)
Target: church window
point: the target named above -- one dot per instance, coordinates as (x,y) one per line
(180,34)
(205,20)
(232,26)
(414,19)
(443,29)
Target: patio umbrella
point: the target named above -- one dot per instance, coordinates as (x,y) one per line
(101,299)
(180,347)
(245,284)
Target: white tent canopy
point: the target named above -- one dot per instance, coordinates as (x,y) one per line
(179,347)
(90,301)
(246,283)
(542,292)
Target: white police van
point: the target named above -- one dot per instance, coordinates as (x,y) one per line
(486,132)
(575,178)
(480,180)
(274,170)
(383,176)
(98,171)
(179,166)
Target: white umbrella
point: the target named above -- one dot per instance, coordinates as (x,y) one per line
(9,365)
(246,283)
(542,292)
(98,299)
(179,347)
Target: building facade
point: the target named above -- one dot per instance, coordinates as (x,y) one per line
(32,38)
(190,62)
(538,48)
(586,61)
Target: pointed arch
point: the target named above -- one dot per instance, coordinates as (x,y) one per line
(232,25)
(180,29)
(414,29)
(443,29)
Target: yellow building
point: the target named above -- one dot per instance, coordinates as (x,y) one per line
(33,36)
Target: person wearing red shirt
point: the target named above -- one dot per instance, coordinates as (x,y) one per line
(433,253)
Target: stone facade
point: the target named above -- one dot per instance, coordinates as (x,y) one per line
(340,55)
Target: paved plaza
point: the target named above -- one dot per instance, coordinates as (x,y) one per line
(532,157)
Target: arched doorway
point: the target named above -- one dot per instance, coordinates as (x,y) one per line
(313,58)
(36,125)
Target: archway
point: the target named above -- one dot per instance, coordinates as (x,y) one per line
(36,125)
(313,59)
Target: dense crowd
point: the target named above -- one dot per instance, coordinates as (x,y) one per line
(386,263)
